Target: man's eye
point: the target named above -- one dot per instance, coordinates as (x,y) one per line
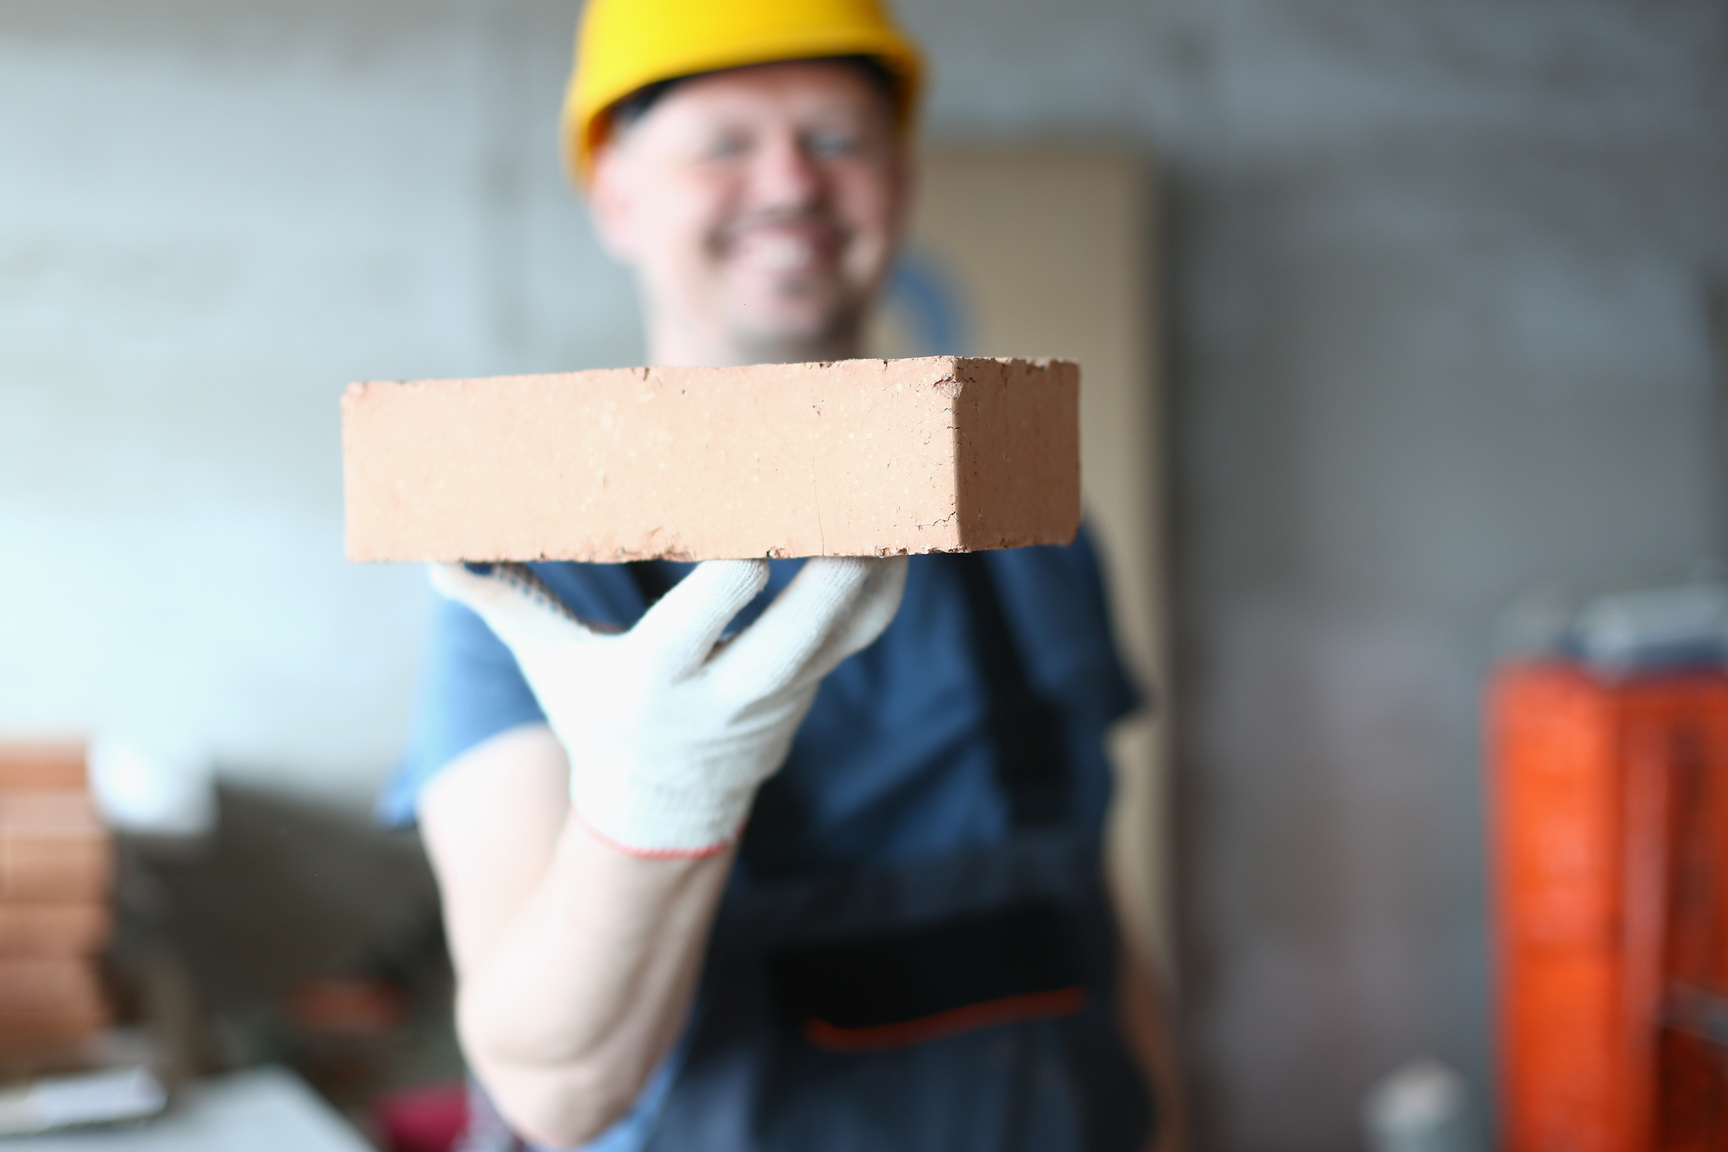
(832,144)
(725,147)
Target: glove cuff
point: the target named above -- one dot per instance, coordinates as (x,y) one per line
(655,822)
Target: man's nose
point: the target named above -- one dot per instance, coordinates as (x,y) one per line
(785,175)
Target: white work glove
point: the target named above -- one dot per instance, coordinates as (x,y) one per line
(668,730)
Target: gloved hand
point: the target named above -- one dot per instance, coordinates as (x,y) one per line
(668,730)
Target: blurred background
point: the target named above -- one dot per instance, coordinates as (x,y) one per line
(1419,324)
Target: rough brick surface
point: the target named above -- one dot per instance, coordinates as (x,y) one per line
(78,928)
(41,765)
(854,458)
(53,847)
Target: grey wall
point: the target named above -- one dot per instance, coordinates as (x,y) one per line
(1434,288)
(1441,329)
(212,217)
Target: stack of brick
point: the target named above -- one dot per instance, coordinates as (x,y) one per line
(56,910)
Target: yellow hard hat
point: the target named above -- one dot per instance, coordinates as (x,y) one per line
(624,45)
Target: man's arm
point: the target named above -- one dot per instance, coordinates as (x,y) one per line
(576,963)
(1146,1021)
(578,938)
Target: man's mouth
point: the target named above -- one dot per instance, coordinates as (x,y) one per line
(781,248)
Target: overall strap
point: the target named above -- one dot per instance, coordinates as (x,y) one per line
(1026,728)
(650,583)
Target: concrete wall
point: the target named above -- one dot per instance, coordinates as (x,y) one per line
(212,218)
(1439,283)
(1435,302)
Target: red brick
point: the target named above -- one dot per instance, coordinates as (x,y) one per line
(54,929)
(53,847)
(50,994)
(40,765)
(858,457)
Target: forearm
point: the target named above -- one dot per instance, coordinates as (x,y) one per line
(575,963)
(589,985)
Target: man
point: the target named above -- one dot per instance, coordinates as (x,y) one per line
(908,948)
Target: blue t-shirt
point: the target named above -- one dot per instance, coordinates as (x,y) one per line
(896,759)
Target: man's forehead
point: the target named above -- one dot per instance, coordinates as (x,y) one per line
(818,86)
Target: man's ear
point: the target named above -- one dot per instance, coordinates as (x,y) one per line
(611,200)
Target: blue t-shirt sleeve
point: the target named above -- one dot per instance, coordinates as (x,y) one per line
(1056,596)
(470,690)
(1116,693)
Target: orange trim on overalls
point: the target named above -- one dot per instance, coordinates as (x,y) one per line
(1008,1010)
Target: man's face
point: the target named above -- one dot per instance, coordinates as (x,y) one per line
(759,209)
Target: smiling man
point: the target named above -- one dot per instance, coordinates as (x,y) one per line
(758,207)
(909,947)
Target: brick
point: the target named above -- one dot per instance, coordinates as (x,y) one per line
(61,994)
(53,847)
(857,457)
(40,765)
(54,929)
(49,1045)
(50,1011)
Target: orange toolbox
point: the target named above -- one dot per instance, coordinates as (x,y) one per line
(1608,805)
